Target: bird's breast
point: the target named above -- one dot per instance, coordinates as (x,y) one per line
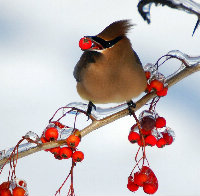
(104,82)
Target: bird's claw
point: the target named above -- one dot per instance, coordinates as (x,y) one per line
(89,109)
(131,105)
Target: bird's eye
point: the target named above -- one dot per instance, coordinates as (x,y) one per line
(85,43)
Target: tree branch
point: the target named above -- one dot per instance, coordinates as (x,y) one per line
(173,80)
(102,122)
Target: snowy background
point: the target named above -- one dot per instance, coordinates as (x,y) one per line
(38,51)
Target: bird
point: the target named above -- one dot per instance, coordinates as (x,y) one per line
(109,70)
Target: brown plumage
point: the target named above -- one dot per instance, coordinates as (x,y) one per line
(118,28)
(113,74)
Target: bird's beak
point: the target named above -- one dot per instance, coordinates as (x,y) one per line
(95,44)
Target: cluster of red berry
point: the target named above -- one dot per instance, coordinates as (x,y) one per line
(144,178)
(155,81)
(153,131)
(52,132)
(15,187)
(150,130)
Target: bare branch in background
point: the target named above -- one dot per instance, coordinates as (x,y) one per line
(186,5)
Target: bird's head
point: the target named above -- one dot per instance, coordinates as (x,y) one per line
(107,38)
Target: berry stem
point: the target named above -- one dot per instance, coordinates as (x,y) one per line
(153,104)
(75,122)
(72,178)
(58,191)
(137,164)
(142,136)
(137,154)
(71,189)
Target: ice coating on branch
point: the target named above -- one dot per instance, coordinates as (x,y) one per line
(145,12)
(22,147)
(99,113)
(187,5)
(147,113)
(190,61)
(79,105)
(170,132)
(33,136)
(16,182)
(20,182)
(155,133)
(2,154)
(150,67)
(65,133)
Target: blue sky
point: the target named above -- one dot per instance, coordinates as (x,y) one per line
(38,51)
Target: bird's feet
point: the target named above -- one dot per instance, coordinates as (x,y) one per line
(131,105)
(89,109)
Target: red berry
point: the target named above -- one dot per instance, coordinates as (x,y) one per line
(73,141)
(149,188)
(145,169)
(150,140)
(168,138)
(5,192)
(163,92)
(134,127)
(160,122)
(147,74)
(22,183)
(133,137)
(43,140)
(132,187)
(148,88)
(51,134)
(58,124)
(157,85)
(151,176)
(65,152)
(18,191)
(140,142)
(4,185)
(57,156)
(77,156)
(55,150)
(147,123)
(140,178)
(85,43)
(161,143)
(145,132)
(130,179)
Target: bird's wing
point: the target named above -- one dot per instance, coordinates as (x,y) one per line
(86,59)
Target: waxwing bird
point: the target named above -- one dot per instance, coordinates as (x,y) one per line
(109,70)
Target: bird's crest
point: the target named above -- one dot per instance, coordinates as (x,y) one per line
(118,28)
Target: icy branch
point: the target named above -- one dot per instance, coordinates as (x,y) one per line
(101,116)
(189,6)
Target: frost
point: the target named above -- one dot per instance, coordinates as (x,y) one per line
(190,61)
